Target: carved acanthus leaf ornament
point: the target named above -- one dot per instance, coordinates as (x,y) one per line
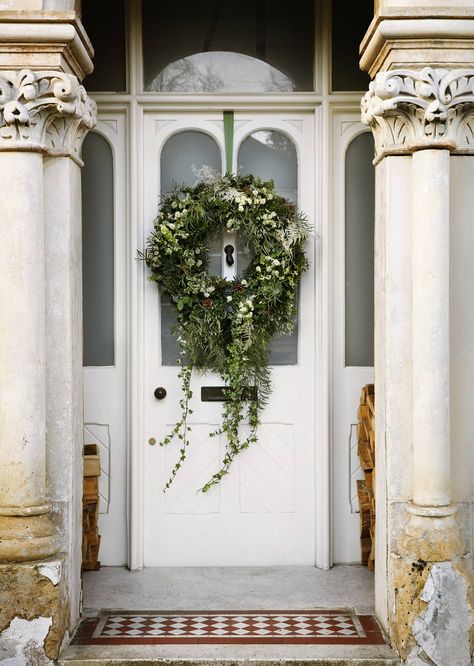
(44,110)
(431,108)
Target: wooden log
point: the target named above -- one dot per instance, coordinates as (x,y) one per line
(365,455)
(370,400)
(364,505)
(90,505)
(372,442)
(368,482)
(91,460)
(91,563)
(90,492)
(86,525)
(363,413)
(84,547)
(92,537)
(366,488)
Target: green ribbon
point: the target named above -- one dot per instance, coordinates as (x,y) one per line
(229,140)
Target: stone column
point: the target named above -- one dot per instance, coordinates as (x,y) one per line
(43,118)
(26,531)
(427,114)
(430,288)
(64,372)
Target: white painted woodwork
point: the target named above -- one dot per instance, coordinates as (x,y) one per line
(346,381)
(105,388)
(112,419)
(263,513)
(128,461)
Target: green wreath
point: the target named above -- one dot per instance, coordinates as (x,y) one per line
(226,326)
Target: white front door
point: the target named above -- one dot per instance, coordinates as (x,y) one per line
(263,512)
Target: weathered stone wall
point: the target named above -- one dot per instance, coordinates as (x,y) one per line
(409,578)
(44,115)
(33,612)
(421,109)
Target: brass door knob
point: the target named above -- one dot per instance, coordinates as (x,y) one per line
(160,393)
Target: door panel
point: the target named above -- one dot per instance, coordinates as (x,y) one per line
(262,513)
(105,386)
(348,378)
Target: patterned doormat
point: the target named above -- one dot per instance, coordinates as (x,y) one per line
(229,627)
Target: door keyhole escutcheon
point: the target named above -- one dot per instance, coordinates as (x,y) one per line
(229,254)
(160,393)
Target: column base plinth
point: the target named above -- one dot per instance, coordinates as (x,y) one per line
(431,616)
(27,536)
(431,535)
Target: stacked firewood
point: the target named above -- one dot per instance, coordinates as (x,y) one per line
(366,487)
(90,508)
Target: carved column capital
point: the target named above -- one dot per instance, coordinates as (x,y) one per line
(431,108)
(44,111)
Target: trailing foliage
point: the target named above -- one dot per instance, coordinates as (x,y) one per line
(226,326)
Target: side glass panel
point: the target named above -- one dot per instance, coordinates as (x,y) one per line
(182,154)
(231,46)
(359,251)
(270,154)
(98,250)
(104,22)
(349,25)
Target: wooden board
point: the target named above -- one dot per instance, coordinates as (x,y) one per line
(90,508)
(366,488)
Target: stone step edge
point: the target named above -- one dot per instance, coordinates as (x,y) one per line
(147,661)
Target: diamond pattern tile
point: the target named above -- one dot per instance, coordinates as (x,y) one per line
(168,627)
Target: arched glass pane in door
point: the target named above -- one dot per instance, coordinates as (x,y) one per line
(359,251)
(182,156)
(98,250)
(271,155)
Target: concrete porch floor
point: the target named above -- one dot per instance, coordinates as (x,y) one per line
(229,588)
(226,588)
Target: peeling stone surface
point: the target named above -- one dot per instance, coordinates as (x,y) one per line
(22,642)
(408,581)
(464,568)
(27,594)
(442,630)
(417,658)
(432,614)
(51,570)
